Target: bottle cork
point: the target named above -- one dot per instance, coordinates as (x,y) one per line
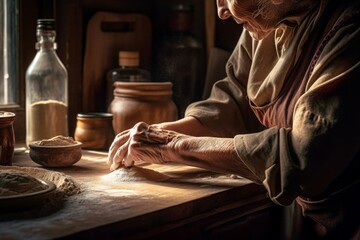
(129,58)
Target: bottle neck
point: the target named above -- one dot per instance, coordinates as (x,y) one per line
(180,19)
(45,40)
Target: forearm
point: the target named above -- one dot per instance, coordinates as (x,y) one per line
(188,125)
(215,154)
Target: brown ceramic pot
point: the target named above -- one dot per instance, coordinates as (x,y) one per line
(7,137)
(149,102)
(94,130)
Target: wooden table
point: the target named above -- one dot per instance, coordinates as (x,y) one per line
(193,203)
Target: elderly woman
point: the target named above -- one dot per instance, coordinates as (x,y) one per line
(286,115)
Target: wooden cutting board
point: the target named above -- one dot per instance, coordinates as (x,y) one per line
(107,34)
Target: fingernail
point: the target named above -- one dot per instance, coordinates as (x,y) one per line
(114,166)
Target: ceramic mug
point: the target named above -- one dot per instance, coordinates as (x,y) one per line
(7,137)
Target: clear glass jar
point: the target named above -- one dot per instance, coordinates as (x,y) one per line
(46,88)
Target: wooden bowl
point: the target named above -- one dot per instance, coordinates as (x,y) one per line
(55,156)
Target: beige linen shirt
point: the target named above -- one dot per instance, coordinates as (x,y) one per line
(308,156)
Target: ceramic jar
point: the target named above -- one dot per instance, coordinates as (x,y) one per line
(94,130)
(149,102)
(7,137)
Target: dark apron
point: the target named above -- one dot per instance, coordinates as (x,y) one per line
(338,211)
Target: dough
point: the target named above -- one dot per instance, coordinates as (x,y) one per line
(14,183)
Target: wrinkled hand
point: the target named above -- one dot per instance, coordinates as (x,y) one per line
(142,143)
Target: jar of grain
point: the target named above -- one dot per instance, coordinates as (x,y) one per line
(46,88)
(149,102)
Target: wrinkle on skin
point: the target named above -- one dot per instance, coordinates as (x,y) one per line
(140,142)
(259,17)
(256,16)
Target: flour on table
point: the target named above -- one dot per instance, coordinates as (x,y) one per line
(134,174)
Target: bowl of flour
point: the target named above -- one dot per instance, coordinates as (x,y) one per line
(59,151)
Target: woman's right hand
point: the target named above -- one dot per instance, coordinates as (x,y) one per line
(143,142)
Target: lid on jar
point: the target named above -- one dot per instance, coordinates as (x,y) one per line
(157,89)
(95,115)
(129,58)
(45,24)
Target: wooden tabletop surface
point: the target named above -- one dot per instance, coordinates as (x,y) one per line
(135,208)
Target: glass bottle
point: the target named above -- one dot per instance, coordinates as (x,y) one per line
(46,88)
(128,71)
(180,57)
